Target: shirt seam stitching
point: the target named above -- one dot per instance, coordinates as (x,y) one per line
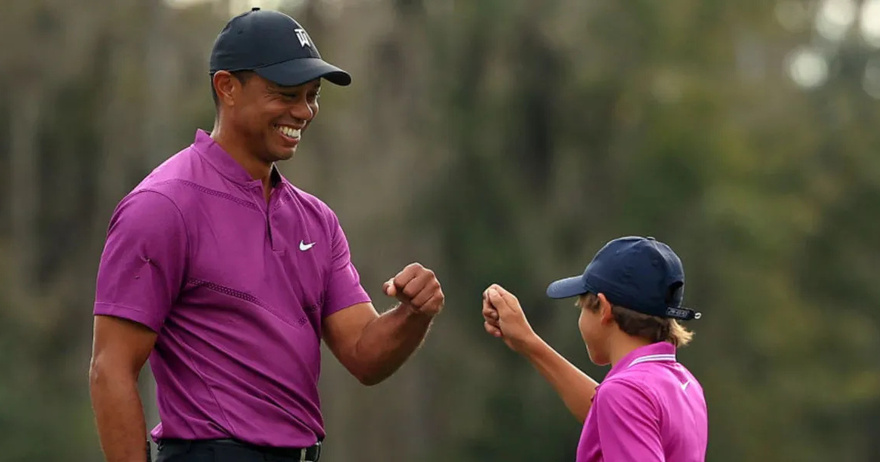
(185,231)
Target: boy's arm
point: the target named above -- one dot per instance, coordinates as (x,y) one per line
(503,317)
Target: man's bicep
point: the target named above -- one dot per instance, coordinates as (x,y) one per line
(143,263)
(342,330)
(121,345)
(629,427)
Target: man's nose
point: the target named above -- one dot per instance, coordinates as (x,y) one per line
(302,111)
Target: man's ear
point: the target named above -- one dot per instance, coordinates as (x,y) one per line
(605,313)
(227,88)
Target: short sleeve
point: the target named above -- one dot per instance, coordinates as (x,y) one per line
(144,259)
(628,423)
(343,288)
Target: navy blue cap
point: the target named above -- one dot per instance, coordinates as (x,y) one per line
(275,46)
(639,273)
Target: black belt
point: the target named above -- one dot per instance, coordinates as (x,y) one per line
(309,454)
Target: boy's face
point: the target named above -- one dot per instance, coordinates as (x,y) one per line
(594,324)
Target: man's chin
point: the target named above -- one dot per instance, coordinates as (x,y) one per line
(285,154)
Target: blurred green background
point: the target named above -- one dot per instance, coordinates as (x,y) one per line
(493,141)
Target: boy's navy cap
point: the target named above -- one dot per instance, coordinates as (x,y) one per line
(273,45)
(639,273)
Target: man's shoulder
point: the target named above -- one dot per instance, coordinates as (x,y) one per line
(176,177)
(310,201)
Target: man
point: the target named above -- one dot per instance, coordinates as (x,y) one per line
(649,407)
(228,277)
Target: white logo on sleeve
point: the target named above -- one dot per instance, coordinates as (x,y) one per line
(303,38)
(684,386)
(303,246)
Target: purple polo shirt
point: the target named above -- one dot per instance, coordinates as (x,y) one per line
(649,408)
(235,288)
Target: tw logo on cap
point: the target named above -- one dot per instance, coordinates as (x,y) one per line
(303,38)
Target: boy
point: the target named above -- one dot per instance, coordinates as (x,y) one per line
(649,407)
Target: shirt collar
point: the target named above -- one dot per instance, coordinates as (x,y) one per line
(655,352)
(225,164)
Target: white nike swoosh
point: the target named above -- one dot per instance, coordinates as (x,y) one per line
(685,385)
(303,246)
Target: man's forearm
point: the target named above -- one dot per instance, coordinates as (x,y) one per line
(574,387)
(387,342)
(120,417)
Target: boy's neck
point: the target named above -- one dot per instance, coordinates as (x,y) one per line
(622,344)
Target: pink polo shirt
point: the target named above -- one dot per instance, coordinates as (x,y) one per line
(649,408)
(236,288)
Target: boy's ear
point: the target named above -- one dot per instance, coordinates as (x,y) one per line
(607,316)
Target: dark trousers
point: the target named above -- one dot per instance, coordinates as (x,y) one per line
(231,451)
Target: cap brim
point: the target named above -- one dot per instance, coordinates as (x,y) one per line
(568,287)
(299,71)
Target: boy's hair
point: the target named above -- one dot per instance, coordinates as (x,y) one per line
(653,328)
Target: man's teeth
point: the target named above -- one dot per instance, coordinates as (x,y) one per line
(291,132)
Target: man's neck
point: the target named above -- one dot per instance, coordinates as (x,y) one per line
(256,168)
(622,344)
